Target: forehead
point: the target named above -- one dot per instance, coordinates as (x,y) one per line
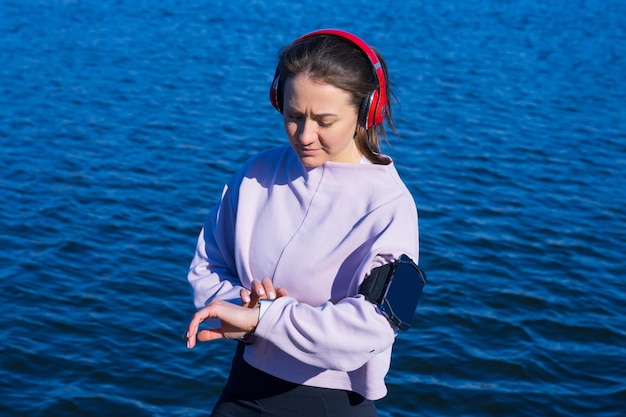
(303,91)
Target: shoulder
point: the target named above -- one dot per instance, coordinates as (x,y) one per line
(270,155)
(391,192)
(265,159)
(272,166)
(269,159)
(367,177)
(372,187)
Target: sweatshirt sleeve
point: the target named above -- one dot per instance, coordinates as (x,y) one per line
(342,336)
(212,273)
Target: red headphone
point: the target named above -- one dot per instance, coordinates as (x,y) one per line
(374,106)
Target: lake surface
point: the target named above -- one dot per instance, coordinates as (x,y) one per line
(120,122)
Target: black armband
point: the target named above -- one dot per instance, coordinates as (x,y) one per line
(395,288)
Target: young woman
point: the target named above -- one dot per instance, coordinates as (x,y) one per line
(298,228)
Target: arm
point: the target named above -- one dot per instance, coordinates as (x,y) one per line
(342,336)
(337,352)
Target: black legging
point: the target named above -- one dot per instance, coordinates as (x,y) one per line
(250,392)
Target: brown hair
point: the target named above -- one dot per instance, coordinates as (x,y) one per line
(338,62)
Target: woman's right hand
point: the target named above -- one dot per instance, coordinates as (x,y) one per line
(261,290)
(235,322)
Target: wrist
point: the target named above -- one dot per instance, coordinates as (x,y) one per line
(250,337)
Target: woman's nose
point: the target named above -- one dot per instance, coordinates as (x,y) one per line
(307,131)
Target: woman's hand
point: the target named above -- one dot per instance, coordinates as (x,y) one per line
(236,322)
(261,290)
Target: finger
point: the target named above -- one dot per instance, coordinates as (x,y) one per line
(194,324)
(257,289)
(257,292)
(254,300)
(245,297)
(281,292)
(192,329)
(268,285)
(210,334)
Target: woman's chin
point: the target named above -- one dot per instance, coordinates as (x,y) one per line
(311,159)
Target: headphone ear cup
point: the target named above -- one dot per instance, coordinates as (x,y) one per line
(369,114)
(364,111)
(274,93)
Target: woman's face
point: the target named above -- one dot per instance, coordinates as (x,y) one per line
(320,122)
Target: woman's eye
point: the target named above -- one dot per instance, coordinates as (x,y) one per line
(324,124)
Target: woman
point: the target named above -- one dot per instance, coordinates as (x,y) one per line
(298,228)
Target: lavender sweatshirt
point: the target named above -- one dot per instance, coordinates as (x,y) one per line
(317,232)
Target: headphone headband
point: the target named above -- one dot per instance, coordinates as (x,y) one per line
(374,107)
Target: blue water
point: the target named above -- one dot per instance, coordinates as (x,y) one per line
(120,121)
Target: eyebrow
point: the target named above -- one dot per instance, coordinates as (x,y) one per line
(323,115)
(314,115)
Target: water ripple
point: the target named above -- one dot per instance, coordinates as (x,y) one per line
(120,123)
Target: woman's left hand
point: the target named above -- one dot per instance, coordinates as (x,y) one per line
(236,321)
(261,290)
